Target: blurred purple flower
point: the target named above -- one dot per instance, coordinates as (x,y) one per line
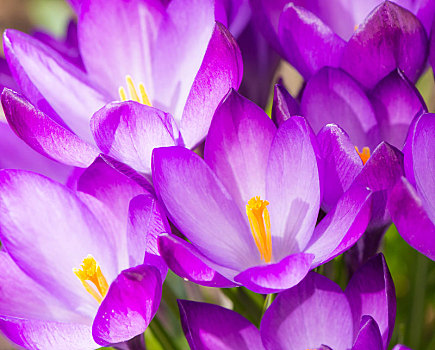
(412,201)
(315,314)
(368,39)
(171,59)
(249,209)
(47,299)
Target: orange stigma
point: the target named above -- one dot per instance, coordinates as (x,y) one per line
(91,272)
(259,219)
(134,96)
(364,155)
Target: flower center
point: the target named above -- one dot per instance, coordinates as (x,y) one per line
(91,272)
(259,219)
(364,155)
(134,96)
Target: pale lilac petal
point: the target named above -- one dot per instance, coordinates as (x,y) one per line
(6,79)
(342,226)
(292,188)
(371,292)
(202,209)
(272,278)
(208,326)
(332,96)
(411,219)
(129,131)
(368,336)
(220,71)
(396,102)
(237,147)
(185,260)
(50,335)
(45,222)
(43,134)
(313,313)
(307,42)
(401,347)
(41,71)
(284,105)
(129,306)
(342,163)
(391,37)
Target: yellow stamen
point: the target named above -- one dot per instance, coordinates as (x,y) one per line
(364,155)
(356,27)
(259,220)
(133,92)
(91,272)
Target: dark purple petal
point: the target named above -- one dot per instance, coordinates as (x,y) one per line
(371,292)
(332,96)
(272,278)
(221,70)
(396,102)
(43,134)
(307,42)
(284,105)
(390,38)
(368,336)
(187,262)
(202,209)
(342,226)
(307,316)
(129,131)
(129,306)
(411,219)
(237,147)
(342,163)
(208,326)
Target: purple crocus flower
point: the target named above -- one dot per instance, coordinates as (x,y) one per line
(79,270)
(172,61)
(368,39)
(315,314)
(412,201)
(249,209)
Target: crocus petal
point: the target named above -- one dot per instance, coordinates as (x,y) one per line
(41,71)
(371,292)
(237,147)
(43,134)
(208,326)
(58,244)
(311,314)
(424,161)
(202,209)
(342,226)
(116,40)
(308,43)
(129,306)
(396,102)
(284,105)
(410,217)
(401,347)
(342,163)
(292,188)
(39,334)
(6,79)
(184,260)
(332,96)
(146,222)
(220,71)
(368,336)
(390,38)
(272,278)
(129,131)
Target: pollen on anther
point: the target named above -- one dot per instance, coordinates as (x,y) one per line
(364,155)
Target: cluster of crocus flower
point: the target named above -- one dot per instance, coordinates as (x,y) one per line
(136,153)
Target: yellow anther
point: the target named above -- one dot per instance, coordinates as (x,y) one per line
(91,272)
(133,92)
(364,155)
(356,27)
(259,220)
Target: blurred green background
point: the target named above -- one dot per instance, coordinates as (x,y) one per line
(413,274)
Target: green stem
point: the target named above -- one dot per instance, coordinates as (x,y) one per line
(267,301)
(162,335)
